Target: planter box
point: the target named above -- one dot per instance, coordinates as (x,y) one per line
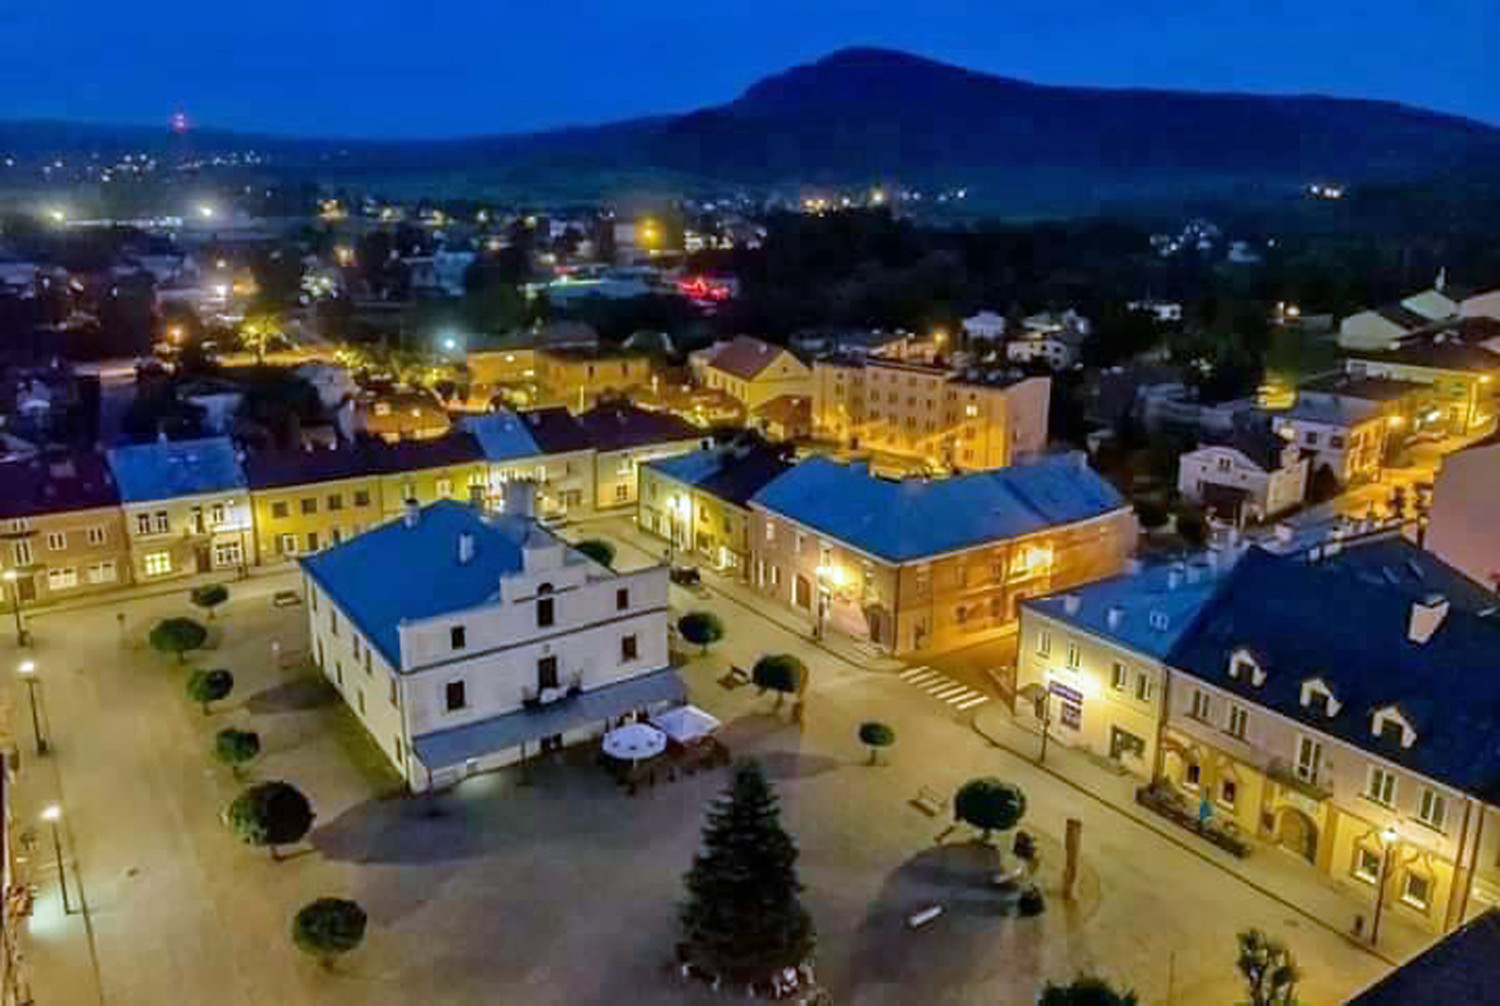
(1173,811)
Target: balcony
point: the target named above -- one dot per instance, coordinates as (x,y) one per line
(1316,788)
(537,699)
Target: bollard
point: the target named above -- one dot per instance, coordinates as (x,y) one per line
(1072,842)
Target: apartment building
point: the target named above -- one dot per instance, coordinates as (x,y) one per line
(928,412)
(544,446)
(424,471)
(1248,473)
(1345,434)
(624,438)
(62,532)
(464,642)
(578,377)
(1454,363)
(306,501)
(699,503)
(186,507)
(932,564)
(1461,528)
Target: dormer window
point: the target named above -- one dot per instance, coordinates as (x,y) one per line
(1389,725)
(1244,666)
(1158,620)
(1317,696)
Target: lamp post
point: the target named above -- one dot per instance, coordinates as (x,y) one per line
(12,579)
(51,815)
(1041,758)
(27,670)
(674,511)
(1388,839)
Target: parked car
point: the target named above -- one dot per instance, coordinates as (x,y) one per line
(286,599)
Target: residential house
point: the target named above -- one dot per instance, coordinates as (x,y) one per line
(546,447)
(1377,328)
(968,420)
(187,507)
(1343,434)
(1090,662)
(987,325)
(61,529)
(699,502)
(578,377)
(393,416)
(1461,528)
(785,417)
(624,438)
(1457,362)
(306,501)
(925,564)
(452,467)
(1250,474)
(463,642)
(1051,338)
(754,372)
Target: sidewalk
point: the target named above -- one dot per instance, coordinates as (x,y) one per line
(1267,870)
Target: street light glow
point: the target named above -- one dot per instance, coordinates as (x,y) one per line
(51,812)
(27,667)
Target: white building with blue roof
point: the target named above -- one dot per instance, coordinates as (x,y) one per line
(464,641)
(187,507)
(1090,662)
(527,446)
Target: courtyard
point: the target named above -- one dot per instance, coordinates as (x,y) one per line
(564,889)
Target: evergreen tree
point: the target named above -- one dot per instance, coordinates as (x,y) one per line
(743,919)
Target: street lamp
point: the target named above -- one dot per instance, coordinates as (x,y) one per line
(51,815)
(12,578)
(1388,839)
(27,670)
(675,506)
(1041,758)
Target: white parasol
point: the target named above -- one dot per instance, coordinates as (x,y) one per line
(634,741)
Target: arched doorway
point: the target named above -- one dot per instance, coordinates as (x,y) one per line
(1297,833)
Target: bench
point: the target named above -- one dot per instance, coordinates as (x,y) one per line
(929,801)
(921,918)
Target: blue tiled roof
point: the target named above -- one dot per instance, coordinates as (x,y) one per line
(395,572)
(160,471)
(1302,619)
(911,520)
(1139,598)
(503,436)
(731,474)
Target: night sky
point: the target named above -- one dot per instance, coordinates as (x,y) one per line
(444,67)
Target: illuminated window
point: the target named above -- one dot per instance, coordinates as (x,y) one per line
(1366,865)
(1416,890)
(1433,810)
(158,563)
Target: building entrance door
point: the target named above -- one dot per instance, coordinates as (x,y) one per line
(1298,834)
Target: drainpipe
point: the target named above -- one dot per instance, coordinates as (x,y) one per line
(1459,869)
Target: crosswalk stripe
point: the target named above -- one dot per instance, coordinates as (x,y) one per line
(977,700)
(947,691)
(943,688)
(912,673)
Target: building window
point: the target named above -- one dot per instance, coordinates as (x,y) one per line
(160,524)
(143,523)
(1192,775)
(361,497)
(1239,718)
(21,552)
(336,502)
(310,505)
(546,673)
(1228,792)
(1202,705)
(218,513)
(775,576)
(359,695)
(57,541)
(545,615)
(1119,677)
(312,541)
(367,661)
(622,492)
(398,750)
(62,577)
(278,510)
(1416,890)
(445,488)
(1381,786)
(97,535)
(1309,756)
(158,563)
(622,599)
(628,649)
(458,637)
(288,544)
(102,572)
(453,696)
(395,695)
(227,553)
(1433,810)
(1044,643)
(1144,687)
(1073,655)
(1366,865)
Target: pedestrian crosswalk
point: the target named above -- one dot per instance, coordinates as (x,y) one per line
(944,688)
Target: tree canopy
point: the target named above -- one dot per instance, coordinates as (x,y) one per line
(270,814)
(701,628)
(177,636)
(743,919)
(1270,973)
(601,552)
(1085,991)
(209,596)
(989,805)
(235,748)
(329,927)
(781,673)
(204,687)
(876,735)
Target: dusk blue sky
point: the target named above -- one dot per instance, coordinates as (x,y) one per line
(444,67)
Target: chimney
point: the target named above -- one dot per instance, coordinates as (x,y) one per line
(1426,618)
(412,515)
(1115,615)
(1071,603)
(1174,576)
(465,548)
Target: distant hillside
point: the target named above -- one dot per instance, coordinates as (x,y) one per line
(865,114)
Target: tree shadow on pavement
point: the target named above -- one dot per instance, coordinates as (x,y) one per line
(296,695)
(402,830)
(784,765)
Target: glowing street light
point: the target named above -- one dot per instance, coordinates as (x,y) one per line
(1388,839)
(206,211)
(27,670)
(52,813)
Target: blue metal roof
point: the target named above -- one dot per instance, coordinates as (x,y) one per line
(500,733)
(503,436)
(394,572)
(732,473)
(1302,619)
(1153,595)
(913,519)
(165,470)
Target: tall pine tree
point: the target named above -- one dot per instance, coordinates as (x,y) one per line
(743,920)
